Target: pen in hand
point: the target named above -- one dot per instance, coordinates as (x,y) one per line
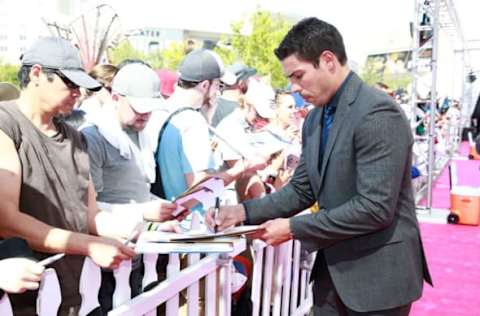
(217,207)
(137,230)
(51,259)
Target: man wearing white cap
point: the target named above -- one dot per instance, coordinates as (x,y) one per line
(46,195)
(122,162)
(241,127)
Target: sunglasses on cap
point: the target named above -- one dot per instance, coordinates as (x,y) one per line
(69,83)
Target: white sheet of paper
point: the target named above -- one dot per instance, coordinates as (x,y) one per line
(212,188)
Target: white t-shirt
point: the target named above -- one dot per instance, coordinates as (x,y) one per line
(184,148)
(235,130)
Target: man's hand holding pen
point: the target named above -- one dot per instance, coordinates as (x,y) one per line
(226,216)
(274,232)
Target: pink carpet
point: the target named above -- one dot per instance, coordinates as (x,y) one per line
(468,174)
(453,254)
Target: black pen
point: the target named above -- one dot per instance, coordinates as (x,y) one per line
(215,215)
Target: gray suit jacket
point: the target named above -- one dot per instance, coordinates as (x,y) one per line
(367,226)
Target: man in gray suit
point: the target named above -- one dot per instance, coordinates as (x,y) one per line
(356,161)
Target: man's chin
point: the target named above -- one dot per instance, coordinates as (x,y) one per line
(139,127)
(66,110)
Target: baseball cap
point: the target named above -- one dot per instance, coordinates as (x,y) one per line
(59,54)
(262,97)
(168,79)
(240,71)
(140,85)
(203,64)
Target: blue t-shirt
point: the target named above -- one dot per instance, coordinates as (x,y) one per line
(184,148)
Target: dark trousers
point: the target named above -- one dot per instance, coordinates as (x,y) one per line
(345,311)
(107,287)
(327,302)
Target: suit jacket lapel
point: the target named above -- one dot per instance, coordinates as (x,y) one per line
(346,99)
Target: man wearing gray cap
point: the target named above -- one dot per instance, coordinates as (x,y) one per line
(122,161)
(184,153)
(233,89)
(46,195)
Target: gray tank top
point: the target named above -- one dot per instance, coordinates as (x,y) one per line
(54,190)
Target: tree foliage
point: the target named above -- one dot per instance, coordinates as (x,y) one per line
(125,50)
(373,72)
(173,55)
(370,73)
(256,49)
(8,73)
(155,59)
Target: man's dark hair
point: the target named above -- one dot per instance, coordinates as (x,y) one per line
(128,61)
(185,84)
(23,75)
(309,38)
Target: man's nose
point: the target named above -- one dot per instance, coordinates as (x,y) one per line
(75,92)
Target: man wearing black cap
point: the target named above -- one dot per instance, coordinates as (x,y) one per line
(184,154)
(235,85)
(46,194)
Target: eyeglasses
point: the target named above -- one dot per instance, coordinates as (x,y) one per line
(221,87)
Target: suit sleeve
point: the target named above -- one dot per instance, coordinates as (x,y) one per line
(294,197)
(382,144)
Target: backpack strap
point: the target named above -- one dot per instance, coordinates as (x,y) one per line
(157,187)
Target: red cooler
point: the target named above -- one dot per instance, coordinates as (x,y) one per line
(465,203)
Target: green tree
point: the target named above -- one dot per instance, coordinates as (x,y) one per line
(154,59)
(123,51)
(8,73)
(397,80)
(173,55)
(372,73)
(256,49)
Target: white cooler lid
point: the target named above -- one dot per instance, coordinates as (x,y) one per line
(465,190)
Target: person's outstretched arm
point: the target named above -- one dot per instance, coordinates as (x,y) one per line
(40,236)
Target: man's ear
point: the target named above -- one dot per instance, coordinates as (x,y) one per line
(204,85)
(327,60)
(34,74)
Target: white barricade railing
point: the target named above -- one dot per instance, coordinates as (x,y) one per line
(280,284)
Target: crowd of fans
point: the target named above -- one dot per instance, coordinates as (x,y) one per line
(82,155)
(447,125)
